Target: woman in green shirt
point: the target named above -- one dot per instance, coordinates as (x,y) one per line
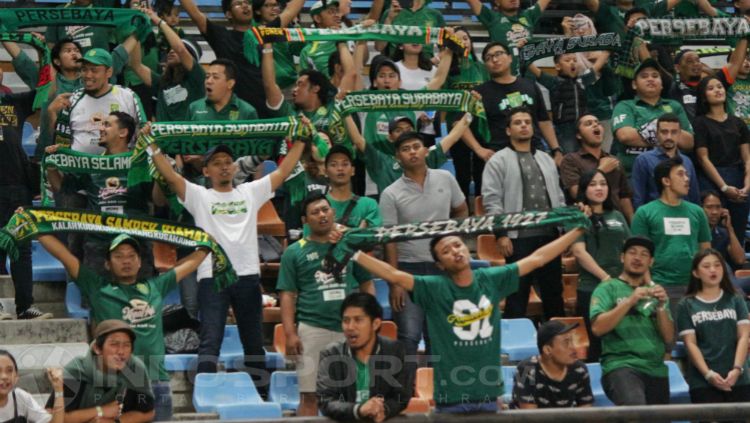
(713,322)
(598,250)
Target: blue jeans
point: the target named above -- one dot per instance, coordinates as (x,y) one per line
(163,401)
(12,197)
(246,300)
(410,321)
(467,408)
(732,176)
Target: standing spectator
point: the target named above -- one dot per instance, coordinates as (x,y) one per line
(221,103)
(555,377)
(461,309)
(19,405)
(722,144)
(635,120)
(269,13)
(382,386)
(311,297)
(713,322)
(325,15)
(598,251)
(170,14)
(523,178)
(414,66)
(122,295)
(723,238)
(418,14)
(505,92)
(677,227)
(88,37)
(350,210)
(420,195)
(590,134)
(668,135)
(631,317)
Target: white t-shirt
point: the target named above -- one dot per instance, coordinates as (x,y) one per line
(27,407)
(88,113)
(232,219)
(414,79)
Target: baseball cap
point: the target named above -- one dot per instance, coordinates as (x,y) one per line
(124,239)
(320,6)
(339,149)
(221,148)
(392,124)
(110,326)
(648,63)
(97,56)
(551,329)
(639,240)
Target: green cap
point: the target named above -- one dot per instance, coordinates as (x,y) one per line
(124,239)
(97,56)
(320,6)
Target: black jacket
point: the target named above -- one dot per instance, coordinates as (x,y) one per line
(337,379)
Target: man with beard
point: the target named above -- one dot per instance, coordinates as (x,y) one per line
(590,135)
(631,316)
(668,133)
(312,298)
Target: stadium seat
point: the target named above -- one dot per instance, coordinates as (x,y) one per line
(448,165)
(517,339)
(478,206)
(509,373)
(269,222)
(679,352)
(595,374)
(212,390)
(172,298)
(742,273)
(44,267)
(233,355)
(268,167)
(284,389)
(580,335)
(570,292)
(74,302)
(417,406)
(478,264)
(388,329)
(381,293)
(424,388)
(165,256)
(28,140)
(180,362)
(487,249)
(266,410)
(679,391)
(279,339)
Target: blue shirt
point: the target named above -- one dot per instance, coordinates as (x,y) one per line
(642,175)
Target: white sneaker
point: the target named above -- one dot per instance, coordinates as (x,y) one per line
(4,315)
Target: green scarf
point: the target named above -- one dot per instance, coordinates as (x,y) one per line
(532,52)
(45,67)
(367,238)
(401,34)
(124,21)
(34,222)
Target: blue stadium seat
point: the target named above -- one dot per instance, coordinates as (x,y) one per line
(679,350)
(381,293)
(180,362)
(595,374)
(269,166)
(173,297)
(232,394)
(45,268)
(448,165)
(284,389)
(232,354)
(509,372)
(679,391)
(74,302)
(477,264)
(518,339)
(27,140)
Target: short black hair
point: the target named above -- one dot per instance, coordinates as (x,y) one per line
(226,5)
(493,44)
(632,12)
(709,193)
(663,169)
(367,302)
(6,353)
(339,149)
(230,68)
(57,49)
(125,121)
(318,78)
(433,244)
(556,58)
(408,136)
(164,8)
(516,110)
(313,198)
(667,117)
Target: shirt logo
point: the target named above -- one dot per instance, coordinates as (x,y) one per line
(516,99)
(707,316)
(139,311)
(471,321)
(229,208)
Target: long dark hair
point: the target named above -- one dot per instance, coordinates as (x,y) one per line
(584,182)
(6,353)
(423,62)
(458,58)
(703,107)
(696,284)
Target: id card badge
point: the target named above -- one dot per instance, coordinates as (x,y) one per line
(334,295)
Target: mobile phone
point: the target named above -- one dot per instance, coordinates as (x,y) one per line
(406,4)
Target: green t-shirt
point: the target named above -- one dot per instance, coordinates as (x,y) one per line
(363,382)
(375,128)
(676,232)
(319,294)
(173,100)
(635,342)
(149,57)
(714,324)
(605,246)
(315,56)
(366,210)
(139,304)
(384,169)
(642,116)
(321,118)
(739,99)
(609,18)
(283,58)
(236,109)
(464,326)
(109,192)
(422,17)
(87,36)
(510,29)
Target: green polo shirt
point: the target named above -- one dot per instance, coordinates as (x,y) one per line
(510,29)
(236,109)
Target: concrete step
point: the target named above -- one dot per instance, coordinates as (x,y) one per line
(44,292)
(53,331)
(34,359)
(184,417)
(57,309)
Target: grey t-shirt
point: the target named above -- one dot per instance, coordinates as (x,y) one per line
(534,191)
(405,201)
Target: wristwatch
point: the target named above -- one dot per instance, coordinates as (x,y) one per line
(555,150)
(740,368)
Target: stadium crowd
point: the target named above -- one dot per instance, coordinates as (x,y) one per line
(657,158)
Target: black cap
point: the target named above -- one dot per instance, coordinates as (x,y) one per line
(221,148)
(551,329)
(648,63)
(639,240)
(392,124)
(339,149)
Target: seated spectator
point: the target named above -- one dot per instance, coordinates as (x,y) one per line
(555,377)
(19,406)
(598,251)
(108,383)
(713,322)
(363,377)
(668,135)
(632,318)
(590,133)
(723,238)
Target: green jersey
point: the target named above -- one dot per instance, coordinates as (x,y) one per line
(319,294)
(384,169)
(714,324)
(365,210)
(425,16)
(363,382)
(315,56)
(174,98)
(236,109)
(739,99)
(604,244)
(139,304)
(87,37)
(375,128)
(109,192)
(509,30)
(642,116)
(609,18)
(599,94)
(321,118)
(635,342)
(464,326)
(283,59)
(677,232)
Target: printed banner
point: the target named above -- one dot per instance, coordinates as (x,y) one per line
(532,52)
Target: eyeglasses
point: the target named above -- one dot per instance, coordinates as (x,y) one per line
(494,56)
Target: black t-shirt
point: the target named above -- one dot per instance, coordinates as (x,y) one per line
(533,386)
(499,99)
(131,400)
(14,109)
(228,44)
(722,139)
(687,95)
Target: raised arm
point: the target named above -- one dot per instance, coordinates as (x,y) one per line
(290,12)
(175,181)
(135,61)
(384,271)
(357,139)
(62,254)
(360,57)
(279,175)
(174,40)
(201,21)
(441,74)
(545,254)
(457,132)
(738,57)
(475,6)
(349,80)
(190,263)
(274,96)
